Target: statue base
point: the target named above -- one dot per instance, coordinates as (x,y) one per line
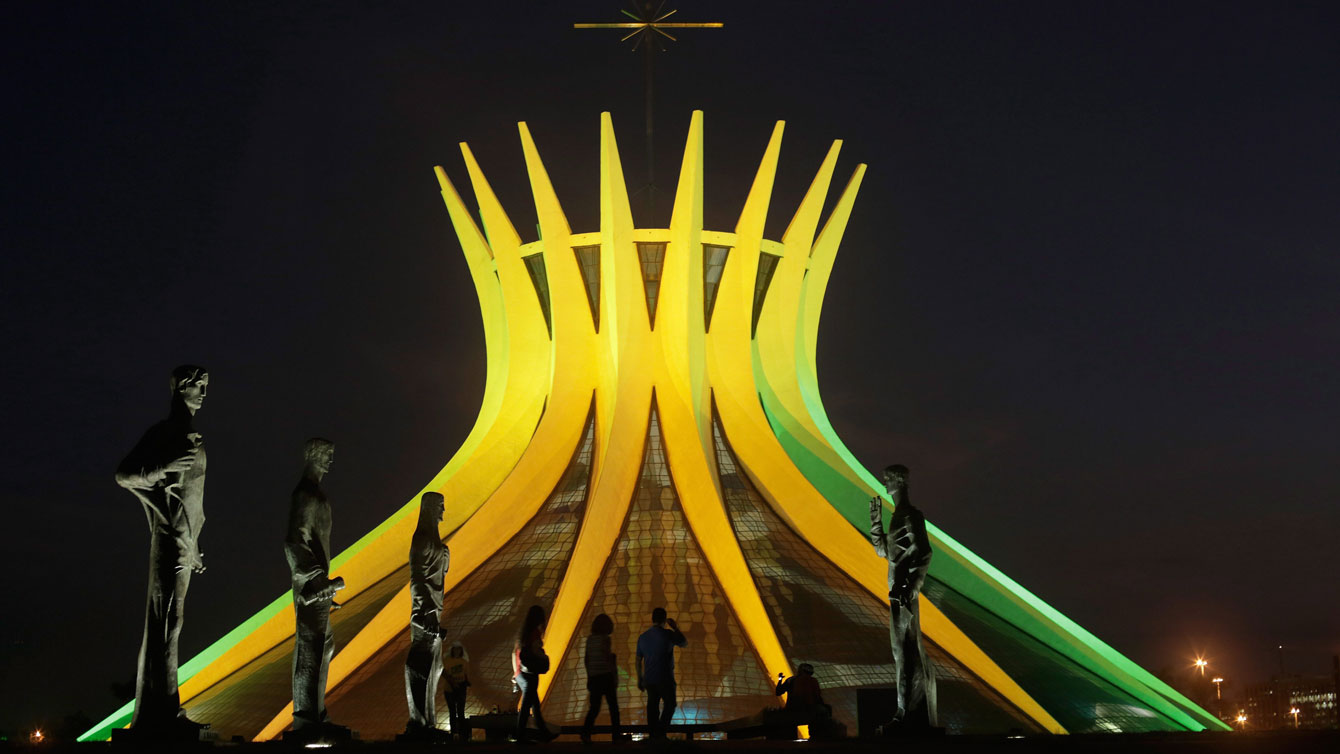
(185,735)
(326,733)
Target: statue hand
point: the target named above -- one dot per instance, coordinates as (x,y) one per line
(199,565)
(181,465)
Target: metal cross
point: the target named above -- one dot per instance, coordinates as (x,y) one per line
(646,24)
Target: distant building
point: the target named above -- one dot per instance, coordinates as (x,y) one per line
(1268,705)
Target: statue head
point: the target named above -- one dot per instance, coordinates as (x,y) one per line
(894,477)
(189,383)
(318,454)
(432,506)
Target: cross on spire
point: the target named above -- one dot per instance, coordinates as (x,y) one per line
(647,28)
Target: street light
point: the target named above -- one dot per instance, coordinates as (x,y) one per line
(1216,681)
(1200,664)
(1294,711)
(1242,720)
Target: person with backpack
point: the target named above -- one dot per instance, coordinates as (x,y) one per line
(528,662)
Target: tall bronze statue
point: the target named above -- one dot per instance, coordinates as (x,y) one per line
(166,471)
(307,548)
(429,560)
(908,551)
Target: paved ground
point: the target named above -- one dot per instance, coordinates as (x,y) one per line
(1283,742)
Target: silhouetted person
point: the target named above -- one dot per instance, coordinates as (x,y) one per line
(429,559)
(166,471)
(528,662)
(803,696)
(456,669)
(307,548)
(908,550)
(656,669)
(602,682)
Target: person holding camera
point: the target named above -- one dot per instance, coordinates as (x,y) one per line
(656,669)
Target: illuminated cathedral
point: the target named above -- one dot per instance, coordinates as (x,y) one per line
(652,433)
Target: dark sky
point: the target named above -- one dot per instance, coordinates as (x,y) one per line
(1088,293)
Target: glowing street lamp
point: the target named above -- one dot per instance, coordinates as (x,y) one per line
(1242,720)
(1294,711)
(1216,681)
(1200,664)
(36,736)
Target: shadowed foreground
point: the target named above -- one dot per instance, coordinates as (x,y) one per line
(1276,742)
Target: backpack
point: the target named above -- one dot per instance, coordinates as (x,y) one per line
(533,661)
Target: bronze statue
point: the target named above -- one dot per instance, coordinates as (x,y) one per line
(307,548)
(908,551)
(166,471)
(429,559)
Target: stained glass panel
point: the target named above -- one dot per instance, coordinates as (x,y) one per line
(658,562)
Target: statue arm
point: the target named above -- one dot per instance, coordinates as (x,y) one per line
(139,479)
(142,470)
(922,541)
(153,458)
(877,527)
(424,570)
(305,557)
(910,571)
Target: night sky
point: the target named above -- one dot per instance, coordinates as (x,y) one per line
(1088,293)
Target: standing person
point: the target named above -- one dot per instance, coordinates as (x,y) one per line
(656,669)
(429,560)
(601,679)
(528,662)
(307,548)
(166,471)
(456,669)
(804,700)
(908,550)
